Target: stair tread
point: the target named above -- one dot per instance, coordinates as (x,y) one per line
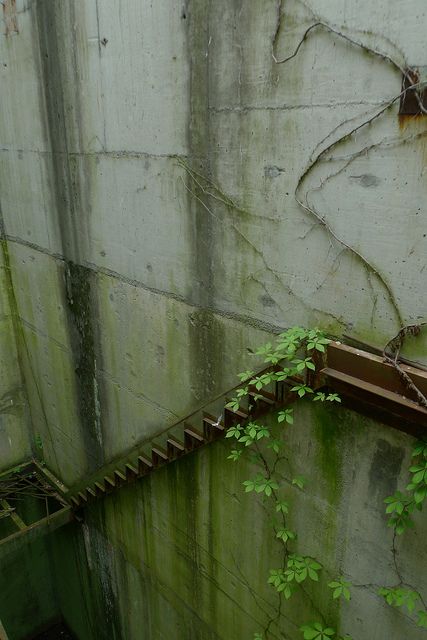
(176,444)
(239,412)
(213,422)
(145,461)
(160,452)
(262,396)
(194,433)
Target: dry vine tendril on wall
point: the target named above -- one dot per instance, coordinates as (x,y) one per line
(293,361)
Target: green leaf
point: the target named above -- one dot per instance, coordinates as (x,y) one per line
(263,432)
(299,568)
(316,631)
(420,494)
(340,588)
(286,415)
(265,348)
(333,397)
(422,619)
(282,507)
(249,485)
(276,577)
(400,522)
(235,454)
(418,477)
(420,449)
(285,535)
(275,445)
(396,502)
(234,432)
(309,633)
(245,375)
(278,580)
(301,389)
(234,405)
(399,597)
(299,481)
(319,396)
(282,375)
(300,365)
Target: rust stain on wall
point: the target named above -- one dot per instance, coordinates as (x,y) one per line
(10,17)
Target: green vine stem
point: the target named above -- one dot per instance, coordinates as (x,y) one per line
(294,358)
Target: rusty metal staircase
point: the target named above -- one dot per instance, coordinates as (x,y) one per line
(365,381)
(192,432)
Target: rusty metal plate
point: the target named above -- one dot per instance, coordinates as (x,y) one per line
(373,387)
(412,101)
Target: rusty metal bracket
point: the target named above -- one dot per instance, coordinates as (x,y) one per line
(372,386)
(413,102)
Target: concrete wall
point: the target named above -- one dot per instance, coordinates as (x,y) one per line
(185,553)
(29,602)
(15,425)
(136,289)
(150,155)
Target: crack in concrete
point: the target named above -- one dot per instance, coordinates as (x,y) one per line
(139,395)
(255,323)
(293,107)
(120,153)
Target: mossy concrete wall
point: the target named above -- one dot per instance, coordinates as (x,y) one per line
(151,159)
(28,601)
(138,285)
(15,425)
(185,553)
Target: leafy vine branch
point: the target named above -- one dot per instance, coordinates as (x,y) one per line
(293,360)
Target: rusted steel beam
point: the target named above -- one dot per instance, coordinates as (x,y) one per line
(367,384)
(158,456)
(413,102)
(174,448)
(373,369)
(213,428)
(192,438)
(372,386)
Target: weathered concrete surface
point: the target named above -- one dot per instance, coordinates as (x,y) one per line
(139,284)
(185,553)
(15,431)
(93,175)
(28,600)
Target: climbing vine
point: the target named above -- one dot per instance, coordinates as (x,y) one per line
(293,360)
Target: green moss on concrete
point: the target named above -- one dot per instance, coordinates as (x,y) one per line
(327,434)
(78,280)
(28,600)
